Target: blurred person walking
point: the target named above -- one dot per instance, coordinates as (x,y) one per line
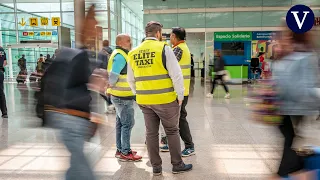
(154,75)
(104,56)
(219,74)
(295,73)
(67,100)
(122,98)
(183,55)
(3,103)
(22,63)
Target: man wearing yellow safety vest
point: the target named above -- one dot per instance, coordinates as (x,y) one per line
(183,55)
(154,75)
(122,98)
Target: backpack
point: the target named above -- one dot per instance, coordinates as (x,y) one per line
(265,104)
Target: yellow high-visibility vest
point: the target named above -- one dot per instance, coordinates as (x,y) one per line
(185,64)
(153,83)
(121,88)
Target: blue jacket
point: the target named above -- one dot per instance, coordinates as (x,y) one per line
(296,76)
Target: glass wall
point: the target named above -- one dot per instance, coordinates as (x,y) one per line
(202,18)
(15,24)
(132,24)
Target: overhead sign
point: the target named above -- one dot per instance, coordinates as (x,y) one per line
(22,22)
(55,21)
(265,35)
(31,33)
(44,21)
(232,36)
(33,21)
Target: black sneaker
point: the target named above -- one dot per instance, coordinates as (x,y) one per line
(181,168)
(157,171)
(4,116)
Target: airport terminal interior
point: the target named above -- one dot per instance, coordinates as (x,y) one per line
(229,145)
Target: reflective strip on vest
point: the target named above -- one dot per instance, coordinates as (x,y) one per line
(122,80)
(148,78)
(158,91)
(185,66)
(121,88)
(187,77)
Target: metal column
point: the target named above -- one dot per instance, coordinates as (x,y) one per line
(109,21)
(16,20)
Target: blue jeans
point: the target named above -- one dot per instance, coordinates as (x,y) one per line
(124,123)
(74,132)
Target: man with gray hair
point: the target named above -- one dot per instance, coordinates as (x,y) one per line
(155,76)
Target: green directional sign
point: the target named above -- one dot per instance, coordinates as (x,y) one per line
(232,36)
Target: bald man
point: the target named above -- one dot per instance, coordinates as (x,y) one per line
(122,98)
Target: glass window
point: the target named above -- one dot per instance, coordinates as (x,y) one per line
(123,26)
(6,7)
(54,6)
(99,5)
(113,21)
(123,11)
(113,37)
(7,21)
(128,28)
(105,34)
(112,5)
(133,32)
(133,18)
(232,48)
(67,5)
(68,19)
(128,14)
(102,18)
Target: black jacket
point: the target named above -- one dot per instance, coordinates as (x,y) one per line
(218,64)
(65,81)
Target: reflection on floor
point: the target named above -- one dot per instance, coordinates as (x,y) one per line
(228,144)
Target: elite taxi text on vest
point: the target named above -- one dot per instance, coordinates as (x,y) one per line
(144,58)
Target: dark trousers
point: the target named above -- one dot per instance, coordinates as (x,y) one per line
(290,161)
(3,103)
(185,133)
(215,81)
(168,114)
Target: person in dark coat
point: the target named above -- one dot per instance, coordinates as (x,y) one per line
(219,74)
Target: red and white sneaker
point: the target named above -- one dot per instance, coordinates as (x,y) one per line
(118,153)
(130,157)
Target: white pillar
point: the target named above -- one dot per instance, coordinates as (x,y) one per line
(10,64)
(0,34)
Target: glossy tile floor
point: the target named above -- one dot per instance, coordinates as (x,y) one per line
(228,144)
